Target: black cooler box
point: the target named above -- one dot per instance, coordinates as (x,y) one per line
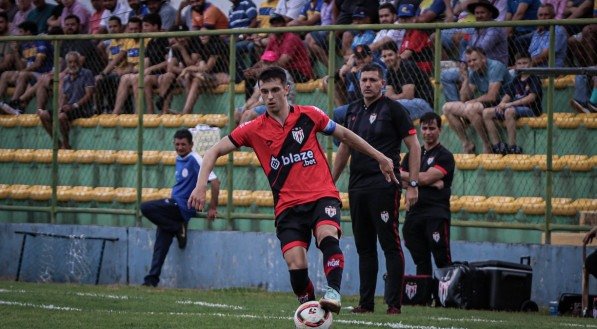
(509,285)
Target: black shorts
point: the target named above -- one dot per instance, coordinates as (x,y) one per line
(295,225)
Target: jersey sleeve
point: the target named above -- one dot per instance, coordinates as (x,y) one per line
(445,163)
(241,135)
(322,122)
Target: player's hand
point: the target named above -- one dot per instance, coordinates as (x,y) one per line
(412,195)
(197,199)
(387,169)
(212,213)
(589,236)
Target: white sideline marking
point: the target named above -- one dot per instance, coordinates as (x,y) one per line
(578,325)
(466,319)
(101,296)
(8,290)
(188,302)
(44,306)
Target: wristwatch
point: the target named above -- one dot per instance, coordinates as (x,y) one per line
(413,183)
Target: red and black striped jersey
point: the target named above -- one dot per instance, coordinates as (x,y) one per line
(290,155)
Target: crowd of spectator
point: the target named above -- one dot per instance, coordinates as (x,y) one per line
(481,79)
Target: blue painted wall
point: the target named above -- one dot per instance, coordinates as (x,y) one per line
(246,259)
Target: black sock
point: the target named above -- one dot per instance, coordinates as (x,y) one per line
(333,261)
(301,285)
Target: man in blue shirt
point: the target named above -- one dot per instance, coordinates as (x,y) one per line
(172,215)
(539,47)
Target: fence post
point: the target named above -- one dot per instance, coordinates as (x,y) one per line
(549,155)
(437,70)
(140,108)
(230,163)
(331,86)
(55,128)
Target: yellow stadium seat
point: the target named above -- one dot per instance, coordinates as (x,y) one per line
(306,87)
(563,207)
(345,200)
(585,204)
(242,198)
(165,193)
(40,192)
(107,120)
(125,194)
(541,161)
(87,122)
(66,156)
(503,204)
(64,193)
(4,191)
(20,192)
(82,193)
(105,156)
(148,193)
(577,162)
(84,156)
(7,155)
(532,205)
(242,158)
(28,120)
(192,120)
(254,160)
(152,120)
(24,155)
(171,120)
(589,120)
(491,161)
(222,161)
(263,198)
(128,120)
(8,121)
(42,156)
(519,162)
(126,157)
(151,157)
(402,203)
(455,203)
(536,122)
(219,89)
(216,120)
(239,88)
(474,203)
(104,194)
(466,161)
(567,120)
(168,157)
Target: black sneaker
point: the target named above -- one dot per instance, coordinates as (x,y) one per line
(181,235)
(148,284)
(515,149)
(500,148)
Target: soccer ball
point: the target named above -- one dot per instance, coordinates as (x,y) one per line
(311,315)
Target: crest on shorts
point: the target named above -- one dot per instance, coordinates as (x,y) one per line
(436,237)
(410,289)
(298,134)
(372,117)
(430,160)
(385,216)
(330,211)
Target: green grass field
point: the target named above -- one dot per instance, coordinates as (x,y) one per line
(65,306)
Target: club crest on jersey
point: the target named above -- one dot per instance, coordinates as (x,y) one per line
(385,216)
(298,134)
(330,211)
(410,289)
(430,160)
(372,118)
(436,237)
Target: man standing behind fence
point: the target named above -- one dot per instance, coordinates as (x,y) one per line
(172,215)
(374,201)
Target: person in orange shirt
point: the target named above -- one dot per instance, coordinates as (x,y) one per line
(206,14)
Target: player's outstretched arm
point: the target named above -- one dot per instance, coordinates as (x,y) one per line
(223,147)
(340,162)
(354,141)
(590,236)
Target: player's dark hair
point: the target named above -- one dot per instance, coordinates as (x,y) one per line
(75,17)
(429,117)
(28,26)
(184,134)
(390,45)
(272,73)
(373,67)
(153,19)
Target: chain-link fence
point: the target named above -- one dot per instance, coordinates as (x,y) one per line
(185,79)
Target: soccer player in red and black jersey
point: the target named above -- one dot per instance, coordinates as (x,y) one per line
(374,201)
(305,197)
(426,230)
